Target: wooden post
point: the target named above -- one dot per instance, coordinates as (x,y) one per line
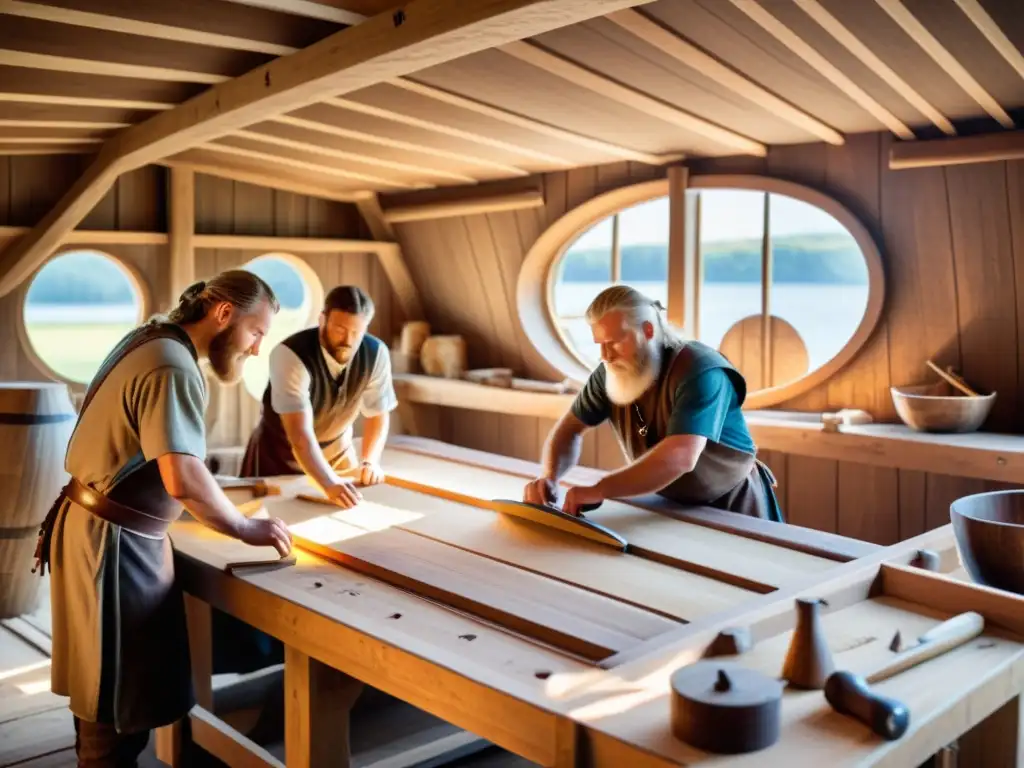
(199,616)
(318,700)
(181,227)
(683,255)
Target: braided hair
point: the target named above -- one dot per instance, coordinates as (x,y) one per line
(241,288)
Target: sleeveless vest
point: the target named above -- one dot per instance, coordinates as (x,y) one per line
(335,401)
(719,469)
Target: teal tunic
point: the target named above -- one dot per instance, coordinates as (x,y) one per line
(697,392)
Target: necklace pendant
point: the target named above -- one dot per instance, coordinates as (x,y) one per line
(643,431)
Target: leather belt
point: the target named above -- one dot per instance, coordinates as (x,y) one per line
(101,506)
(114,512)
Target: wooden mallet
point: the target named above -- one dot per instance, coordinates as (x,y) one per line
(850,693)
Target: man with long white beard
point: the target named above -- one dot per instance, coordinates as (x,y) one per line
(674,406)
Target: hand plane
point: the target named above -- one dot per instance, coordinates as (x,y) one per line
(545,514)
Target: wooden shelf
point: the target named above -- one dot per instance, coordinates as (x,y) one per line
(982,455)
(456,393)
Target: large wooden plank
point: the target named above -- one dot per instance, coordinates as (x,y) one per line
(550,611)
(708,550)
(553,553)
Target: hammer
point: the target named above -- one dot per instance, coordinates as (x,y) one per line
(850,694)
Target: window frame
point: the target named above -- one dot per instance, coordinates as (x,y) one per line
(313,284)
(129,270)
(536,285)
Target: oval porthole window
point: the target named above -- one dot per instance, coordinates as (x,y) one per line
(298,290)
(779,278)
(77,307)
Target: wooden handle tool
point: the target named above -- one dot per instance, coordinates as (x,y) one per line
(953,379)
(850,693)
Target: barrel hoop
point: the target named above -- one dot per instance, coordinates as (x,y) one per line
(31,419)
(19,533)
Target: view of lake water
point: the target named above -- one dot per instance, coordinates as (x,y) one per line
(825,316)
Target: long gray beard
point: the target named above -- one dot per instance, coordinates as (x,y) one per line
(625,387)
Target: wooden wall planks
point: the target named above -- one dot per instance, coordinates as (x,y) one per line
(29,185)
(951,238)
(952,244)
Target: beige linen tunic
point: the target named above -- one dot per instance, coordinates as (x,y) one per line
(120,649)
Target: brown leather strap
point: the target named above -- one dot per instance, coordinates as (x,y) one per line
(93,501)
(113,512)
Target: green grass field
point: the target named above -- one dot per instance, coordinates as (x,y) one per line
(75,350)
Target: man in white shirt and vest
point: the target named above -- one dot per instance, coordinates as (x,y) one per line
(321,380)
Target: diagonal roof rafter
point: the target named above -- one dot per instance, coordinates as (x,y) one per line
(424,33)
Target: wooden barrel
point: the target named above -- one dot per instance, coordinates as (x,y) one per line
(36,421)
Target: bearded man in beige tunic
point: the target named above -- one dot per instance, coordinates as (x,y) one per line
(136,459)
(675,407)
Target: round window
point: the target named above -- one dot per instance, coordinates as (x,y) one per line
(779,278)
(298,290)
(78,306)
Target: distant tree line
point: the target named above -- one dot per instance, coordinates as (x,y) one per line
(88,278)
(822,258)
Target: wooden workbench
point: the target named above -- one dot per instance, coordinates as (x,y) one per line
(558,648)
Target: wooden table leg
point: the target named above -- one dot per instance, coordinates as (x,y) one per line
(170,744)
(199,616)
(318,700)
(568,747)
(997,741)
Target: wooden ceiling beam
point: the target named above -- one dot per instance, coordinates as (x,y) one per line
(685,52)
(578,75)
(49,140)
(430,125)
(456,100)
(340,154)
(311,10)
(110,69)
(109,22)
(996,37)
(512,201)
(68,124)
(927,41)
(822,66)
(852,43)
(82,101)
(263,179)
(302,165)
(425,33)
(962,150)
(384,141)
(45,149)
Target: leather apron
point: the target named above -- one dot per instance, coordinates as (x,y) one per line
(723,478)
(120,639)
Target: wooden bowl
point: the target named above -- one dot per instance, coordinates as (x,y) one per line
(989,531)
(925,409)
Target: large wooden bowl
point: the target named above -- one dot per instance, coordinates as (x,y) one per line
(989,531)
(933,408)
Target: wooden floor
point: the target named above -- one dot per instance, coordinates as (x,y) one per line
(37,731)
